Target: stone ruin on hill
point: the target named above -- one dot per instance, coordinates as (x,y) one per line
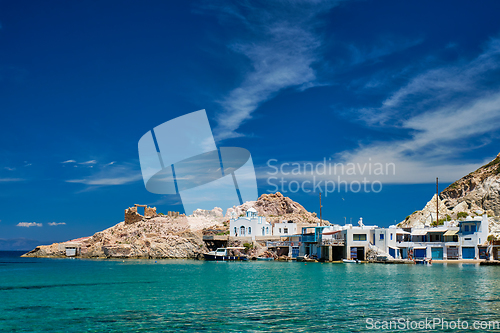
(132,216)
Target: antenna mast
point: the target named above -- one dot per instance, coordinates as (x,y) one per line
(320,206)
(437,202)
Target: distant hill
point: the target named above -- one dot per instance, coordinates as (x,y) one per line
(18,244)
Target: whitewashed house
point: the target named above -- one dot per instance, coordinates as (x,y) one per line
(249,225)
(454,240)
(285,229)
(358,240)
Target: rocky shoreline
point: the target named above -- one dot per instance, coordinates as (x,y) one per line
(172,236)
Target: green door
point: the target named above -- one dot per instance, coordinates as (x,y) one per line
(437,253)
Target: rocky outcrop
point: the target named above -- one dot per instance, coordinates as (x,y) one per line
(277,208)
(158,237)
(427,215)
(472,195)
(479,189)
(172,236)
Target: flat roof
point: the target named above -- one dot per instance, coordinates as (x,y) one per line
(438,229)
(331,232)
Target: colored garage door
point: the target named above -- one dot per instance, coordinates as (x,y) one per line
(419,253)
(468,253)
(437,253)
(453,253)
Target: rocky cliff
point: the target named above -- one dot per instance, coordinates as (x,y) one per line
(474,194)
(277,208)
(157,237)
(478,190)
(173,236)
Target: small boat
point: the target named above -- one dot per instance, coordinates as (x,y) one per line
(351,261)
(305,258)
(226,254)
(265,258)
(425,261)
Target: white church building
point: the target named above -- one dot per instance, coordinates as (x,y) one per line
(249,225)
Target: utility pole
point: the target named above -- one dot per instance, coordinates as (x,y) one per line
(437,202)
(320,206)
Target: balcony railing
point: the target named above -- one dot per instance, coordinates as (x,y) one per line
(281,243)
(308,238)
(334,241)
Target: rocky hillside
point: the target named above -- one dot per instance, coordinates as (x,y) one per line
(277,208)
(156,237)
(478,190)
(474,194)
(175,236)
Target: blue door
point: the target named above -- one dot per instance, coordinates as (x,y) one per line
(354,253)
(419,253)
(295,251)
(437,253)
(392,252)
(468,253)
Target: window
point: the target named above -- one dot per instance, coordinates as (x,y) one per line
(285,230)
(468,238)
(391,236)
(473,228)
(267,230)
(359,237)
(466,228)
(235,231)
(279,230)
(249,230)
(381,236)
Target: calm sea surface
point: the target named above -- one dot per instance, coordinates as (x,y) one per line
(71,295)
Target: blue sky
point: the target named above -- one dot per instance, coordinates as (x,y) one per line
(413,83)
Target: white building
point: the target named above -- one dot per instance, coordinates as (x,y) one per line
(285,228)
(357,240)
(249,225)
(453,240)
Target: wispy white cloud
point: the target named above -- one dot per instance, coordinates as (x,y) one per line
(116,175)
(282,50)
(445,112)
(68,161)
(88,162)
(7,180)
(29,224)
(456,83)
(9,169)
(106,181)
(53,224)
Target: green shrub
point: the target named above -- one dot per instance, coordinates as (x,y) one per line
(248,246)
(462,215)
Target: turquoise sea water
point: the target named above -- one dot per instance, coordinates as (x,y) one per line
(72,295)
